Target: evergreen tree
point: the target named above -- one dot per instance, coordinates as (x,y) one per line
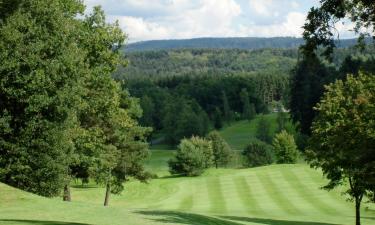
(248,110)
(217,118)
(148,109)
(263,130)
(226,107)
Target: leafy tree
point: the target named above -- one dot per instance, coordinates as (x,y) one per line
(343,136)
(263,129)
(319,29)
(193,156)
(257,153)
(222,152)
(39,92)
(285,148)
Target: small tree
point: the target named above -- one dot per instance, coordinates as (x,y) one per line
(343,137)
(221,150)
(263,130)
(285,148)
(193,156)
(257,153)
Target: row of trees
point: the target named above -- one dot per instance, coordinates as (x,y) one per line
(62,116)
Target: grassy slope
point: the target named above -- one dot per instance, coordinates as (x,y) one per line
(277,194)
(238,134)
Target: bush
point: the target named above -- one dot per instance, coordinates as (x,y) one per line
(285,148)
(257,153)
(193,156)
(221,150)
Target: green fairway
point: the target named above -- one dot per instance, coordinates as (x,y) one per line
(271,195)
(239,133)
(278,194)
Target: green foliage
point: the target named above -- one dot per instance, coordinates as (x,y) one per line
(217,118)
(193,156)
(319,30)
(221,150)
(285,148)
(248,110)
(62,114)
(183,119)
(257,153)
(343,135)
(263,130)
(39,93)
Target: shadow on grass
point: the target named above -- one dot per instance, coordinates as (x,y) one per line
(273,221)
(39,222)
(185,218)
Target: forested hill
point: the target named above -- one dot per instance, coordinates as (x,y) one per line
(226,43)
(198,62)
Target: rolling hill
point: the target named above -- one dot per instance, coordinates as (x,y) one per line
(248,43)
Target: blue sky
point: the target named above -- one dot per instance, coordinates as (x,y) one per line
(177,19)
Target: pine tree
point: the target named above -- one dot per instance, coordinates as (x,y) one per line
(226,107)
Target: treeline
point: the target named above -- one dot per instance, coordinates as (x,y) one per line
(214,62)
(248,43)
(185,106)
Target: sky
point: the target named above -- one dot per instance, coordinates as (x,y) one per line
(180,19)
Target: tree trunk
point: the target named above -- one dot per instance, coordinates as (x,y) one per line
(107,194)
(358,210)
(67,197)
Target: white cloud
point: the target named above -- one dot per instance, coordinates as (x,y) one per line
(292,26)
(175,19)
(262,7)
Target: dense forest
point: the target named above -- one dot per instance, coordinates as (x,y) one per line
(213,87)
(228,43)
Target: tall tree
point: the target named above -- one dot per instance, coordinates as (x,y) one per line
(217,118)
(263,130)
(343,137)
(248,110)
(319,30)
(39,93)
(226,107)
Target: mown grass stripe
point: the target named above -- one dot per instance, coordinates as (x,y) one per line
(215,196)
(333,197)
(186,203)
(306,193)
(277,194)
(246,195)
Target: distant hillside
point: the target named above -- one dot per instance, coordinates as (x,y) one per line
(226,43)
(198,62)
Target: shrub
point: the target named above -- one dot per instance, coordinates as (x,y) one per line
(193,156)
(222,152)
(257,153)
(285,148)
